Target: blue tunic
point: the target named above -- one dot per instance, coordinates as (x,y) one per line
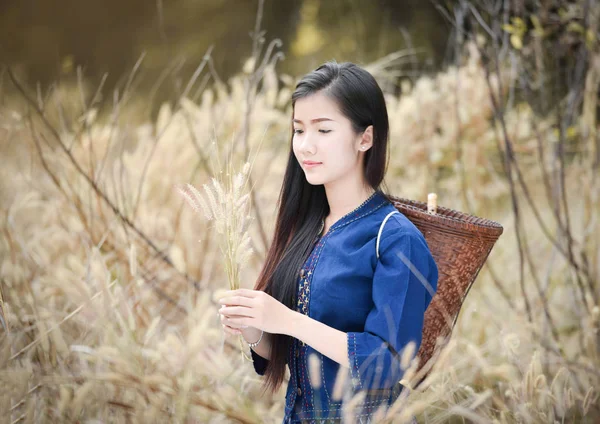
(379,302)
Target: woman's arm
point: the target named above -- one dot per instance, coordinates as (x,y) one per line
(329,341)
(258,310)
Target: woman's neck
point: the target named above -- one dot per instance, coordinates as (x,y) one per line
(342,202)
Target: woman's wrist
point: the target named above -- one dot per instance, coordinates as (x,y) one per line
(251,335)
(256,343)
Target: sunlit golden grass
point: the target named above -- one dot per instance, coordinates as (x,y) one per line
(227,205)
(108,276)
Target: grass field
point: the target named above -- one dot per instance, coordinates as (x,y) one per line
(109,278)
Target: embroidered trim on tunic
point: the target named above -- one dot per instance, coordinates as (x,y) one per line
(303,295)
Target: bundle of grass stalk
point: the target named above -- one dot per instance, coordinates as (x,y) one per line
(227,203)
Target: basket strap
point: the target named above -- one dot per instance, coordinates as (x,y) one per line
(381,229)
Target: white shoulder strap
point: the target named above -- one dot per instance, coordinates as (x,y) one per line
(381,229)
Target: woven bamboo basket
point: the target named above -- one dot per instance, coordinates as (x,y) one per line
(460,244)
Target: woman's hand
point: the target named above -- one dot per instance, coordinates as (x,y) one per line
(250,334)
(254,308)
(229,329)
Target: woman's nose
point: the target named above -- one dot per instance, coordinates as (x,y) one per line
(306,144)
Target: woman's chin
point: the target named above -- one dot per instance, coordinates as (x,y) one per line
(314,181)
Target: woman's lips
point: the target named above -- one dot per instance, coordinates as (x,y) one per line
(309,165)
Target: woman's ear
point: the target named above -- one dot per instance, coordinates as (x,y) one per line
(366,139)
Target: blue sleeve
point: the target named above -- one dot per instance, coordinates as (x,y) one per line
(260,363)
(400,299)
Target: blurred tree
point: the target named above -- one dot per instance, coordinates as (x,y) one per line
(46,43)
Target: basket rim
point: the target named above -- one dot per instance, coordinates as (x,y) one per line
(449,216)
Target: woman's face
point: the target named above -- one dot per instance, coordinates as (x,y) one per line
(324,136)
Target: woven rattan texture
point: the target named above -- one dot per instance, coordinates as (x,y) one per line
(460,244)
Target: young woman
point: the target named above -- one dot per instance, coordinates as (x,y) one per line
(347,277)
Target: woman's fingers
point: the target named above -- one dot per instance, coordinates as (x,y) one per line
(236,300)
(237,311)
(228,321)
(247,293)
(238,322)
(230,330)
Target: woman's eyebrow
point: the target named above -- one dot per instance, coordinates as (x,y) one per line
(312,120)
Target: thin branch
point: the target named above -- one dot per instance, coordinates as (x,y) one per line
(164,257)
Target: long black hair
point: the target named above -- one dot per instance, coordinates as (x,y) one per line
(302,206)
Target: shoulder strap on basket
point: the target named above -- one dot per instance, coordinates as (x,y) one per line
(381,229)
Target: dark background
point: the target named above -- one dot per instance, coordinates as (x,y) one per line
(46,41)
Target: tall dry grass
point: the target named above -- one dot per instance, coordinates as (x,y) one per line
(108,280)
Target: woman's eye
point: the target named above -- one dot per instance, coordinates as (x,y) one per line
(299,131)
